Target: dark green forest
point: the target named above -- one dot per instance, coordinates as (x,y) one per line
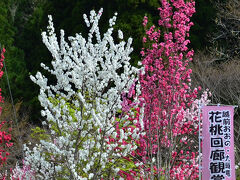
(22,21)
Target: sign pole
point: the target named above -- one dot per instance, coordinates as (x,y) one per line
(199,139)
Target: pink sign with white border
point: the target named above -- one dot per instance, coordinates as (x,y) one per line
(218,162)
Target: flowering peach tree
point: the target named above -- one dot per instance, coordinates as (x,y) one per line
(5,136)
(170,147)
(86,130)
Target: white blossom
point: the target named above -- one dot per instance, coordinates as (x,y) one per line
(80,109)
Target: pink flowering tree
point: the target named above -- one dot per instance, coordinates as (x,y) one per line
(170,147)
(5,136)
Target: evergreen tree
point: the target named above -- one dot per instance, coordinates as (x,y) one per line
(14,56)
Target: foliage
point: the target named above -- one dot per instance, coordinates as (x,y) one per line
(238,172)
(82,107)
(14,56)
(93,126)
(204,24)
(20,134)
(6,33)
(227,30)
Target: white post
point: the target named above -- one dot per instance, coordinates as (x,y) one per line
(199,139)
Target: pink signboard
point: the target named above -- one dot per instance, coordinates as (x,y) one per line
(218,143)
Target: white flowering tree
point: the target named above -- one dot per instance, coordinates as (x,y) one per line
(84,105)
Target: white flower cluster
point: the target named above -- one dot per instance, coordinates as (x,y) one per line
(80,109)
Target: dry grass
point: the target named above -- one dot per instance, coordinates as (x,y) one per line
(20,131)
(223,80)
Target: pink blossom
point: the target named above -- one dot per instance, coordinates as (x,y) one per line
(169,119)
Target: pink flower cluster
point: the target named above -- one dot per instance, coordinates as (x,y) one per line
(5,137)
(5,144)
(168,146)
(1,73)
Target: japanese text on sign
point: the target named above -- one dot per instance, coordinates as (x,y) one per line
(218,143)
(219,164)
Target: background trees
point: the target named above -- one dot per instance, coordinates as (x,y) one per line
(217,67)
(26,19)
(226,38)
(14,56)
